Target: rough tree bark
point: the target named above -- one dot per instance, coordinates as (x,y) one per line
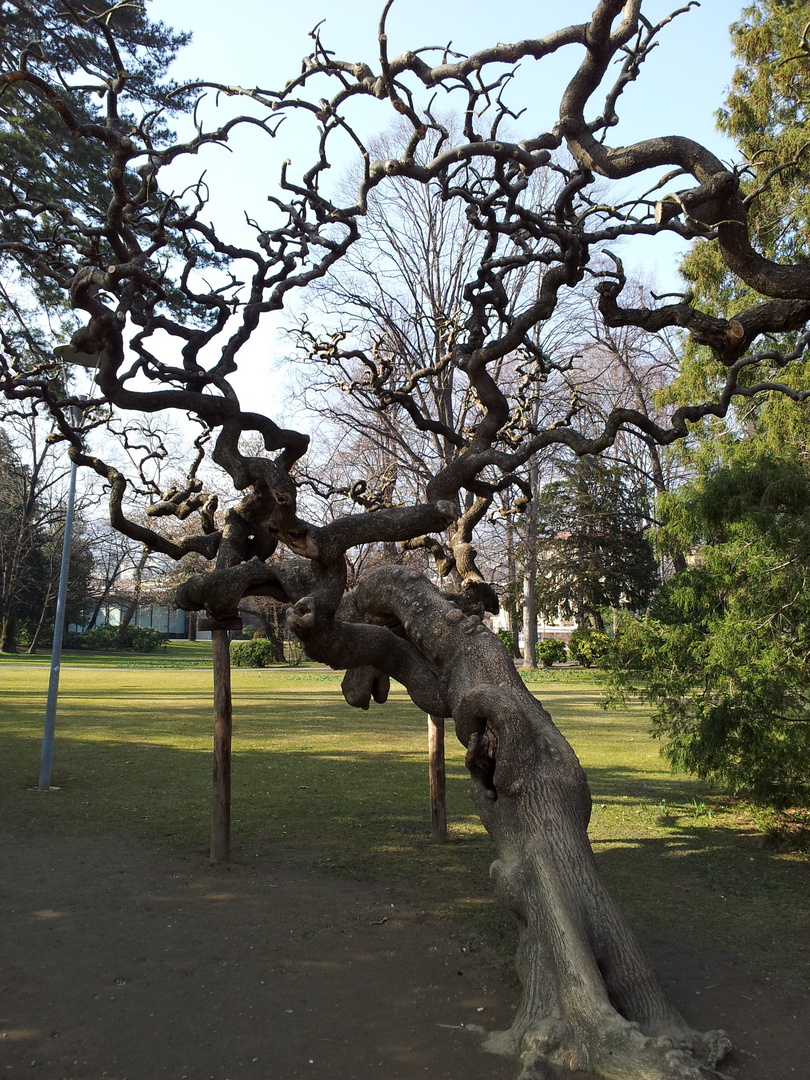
(591,1001)
(8,633)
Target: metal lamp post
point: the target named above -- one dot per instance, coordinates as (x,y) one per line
(59,626)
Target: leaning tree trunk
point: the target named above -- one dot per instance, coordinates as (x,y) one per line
(100,602)
(591,1001)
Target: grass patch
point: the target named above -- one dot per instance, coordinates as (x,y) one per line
(172,655)
(347,792)
(175,654)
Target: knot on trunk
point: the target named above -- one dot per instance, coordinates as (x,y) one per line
(361,684)
(474,710)
(706,205)
(301,615)
(220,592)
(474,727)
(481,594)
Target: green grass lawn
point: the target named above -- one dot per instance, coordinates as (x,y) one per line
(174,654)
(347,791)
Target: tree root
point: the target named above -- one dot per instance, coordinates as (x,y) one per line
(612,1048)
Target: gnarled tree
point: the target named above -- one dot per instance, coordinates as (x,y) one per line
(162,337)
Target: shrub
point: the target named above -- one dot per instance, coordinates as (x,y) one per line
(144,639)
(256,653)
(550,651)
(101,637)
(508,638)
(258,634)
(587,646)
(138,638)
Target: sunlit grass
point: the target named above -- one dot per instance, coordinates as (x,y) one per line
(347,791)
(173,654)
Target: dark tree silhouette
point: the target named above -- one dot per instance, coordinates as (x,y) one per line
(593,552)
(167,304)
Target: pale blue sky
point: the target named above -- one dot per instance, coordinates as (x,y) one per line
(261,42)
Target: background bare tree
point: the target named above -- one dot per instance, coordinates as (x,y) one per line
(33,485)
(167,304)
(399,295)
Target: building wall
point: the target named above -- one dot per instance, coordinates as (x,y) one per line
(167,620)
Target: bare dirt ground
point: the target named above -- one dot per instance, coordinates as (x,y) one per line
(122,964)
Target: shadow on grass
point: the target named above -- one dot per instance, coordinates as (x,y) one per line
(701,884)
(364,813)
(617,783)
(347,792)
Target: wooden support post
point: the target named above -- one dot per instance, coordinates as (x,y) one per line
(438,779)
(221,809)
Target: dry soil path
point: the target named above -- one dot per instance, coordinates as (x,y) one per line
(122,964)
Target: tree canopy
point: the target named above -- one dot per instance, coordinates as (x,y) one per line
(32,515)
(722,652)
(68,54)
(766,115)
(593,551)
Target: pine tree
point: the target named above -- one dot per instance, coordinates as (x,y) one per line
(766,114)
(593,551)
(58,179)
(723,653)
